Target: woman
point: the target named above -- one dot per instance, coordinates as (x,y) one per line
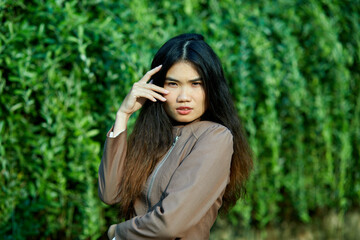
(187,155)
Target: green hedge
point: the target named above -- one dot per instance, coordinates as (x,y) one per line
(65,66)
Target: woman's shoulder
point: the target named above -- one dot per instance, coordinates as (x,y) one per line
(200,128)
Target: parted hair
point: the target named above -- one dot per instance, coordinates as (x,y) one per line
(152,135)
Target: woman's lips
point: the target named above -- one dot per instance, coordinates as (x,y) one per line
(183,110)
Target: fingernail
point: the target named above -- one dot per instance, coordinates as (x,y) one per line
(166,91)
(159,66)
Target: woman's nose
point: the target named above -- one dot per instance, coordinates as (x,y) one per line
(184,95)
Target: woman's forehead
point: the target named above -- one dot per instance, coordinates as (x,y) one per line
(183,71)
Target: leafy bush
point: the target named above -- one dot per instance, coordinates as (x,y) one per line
(65,66)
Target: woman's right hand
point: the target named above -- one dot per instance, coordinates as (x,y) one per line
(140,92)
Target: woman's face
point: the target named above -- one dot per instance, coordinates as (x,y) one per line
(185,101)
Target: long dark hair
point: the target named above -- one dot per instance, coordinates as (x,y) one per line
(152,134)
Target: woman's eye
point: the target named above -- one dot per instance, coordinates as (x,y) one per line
(171,84)
(196,84)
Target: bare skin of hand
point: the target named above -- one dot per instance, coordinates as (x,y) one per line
(111,231)
(139,93)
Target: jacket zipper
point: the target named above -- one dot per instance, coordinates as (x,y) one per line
(156,171)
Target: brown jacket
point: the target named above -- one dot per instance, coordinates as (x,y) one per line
(182,196)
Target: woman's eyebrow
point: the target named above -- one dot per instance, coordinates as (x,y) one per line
(196,80)
(175,80)
(171,79)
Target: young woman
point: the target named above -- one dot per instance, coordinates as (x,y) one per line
(187,155)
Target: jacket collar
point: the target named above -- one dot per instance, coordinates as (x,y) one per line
(178,128)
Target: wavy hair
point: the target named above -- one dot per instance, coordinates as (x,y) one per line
(152,135)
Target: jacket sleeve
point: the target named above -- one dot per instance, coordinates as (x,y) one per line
(194,187)
(111,168)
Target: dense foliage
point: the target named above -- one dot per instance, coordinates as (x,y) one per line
(65,66)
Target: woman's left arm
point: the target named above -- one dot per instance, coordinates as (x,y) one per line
(194,187)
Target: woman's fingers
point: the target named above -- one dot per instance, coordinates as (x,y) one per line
(148,75)
(141,91)
(154,87)
(149,94)
(111,231)
(141,86)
